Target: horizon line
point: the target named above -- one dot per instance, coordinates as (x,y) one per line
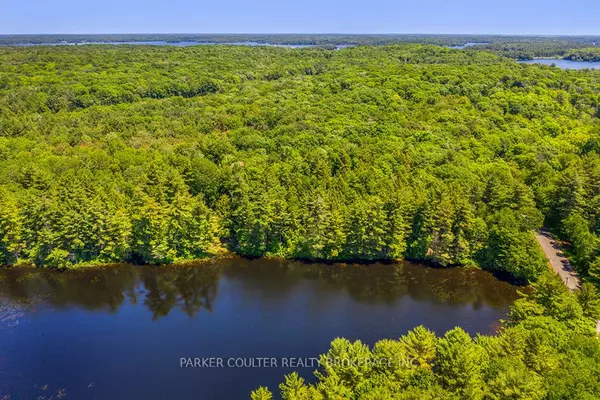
(307,33)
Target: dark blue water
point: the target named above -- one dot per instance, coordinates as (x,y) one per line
(120,332)
(565,64)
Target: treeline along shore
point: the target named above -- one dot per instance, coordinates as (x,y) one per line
(159,154)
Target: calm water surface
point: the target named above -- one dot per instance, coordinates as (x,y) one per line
(468,44)
(565,64)
(119,332)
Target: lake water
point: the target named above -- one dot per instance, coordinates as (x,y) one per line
(468,44)
(564,64)
(120,332)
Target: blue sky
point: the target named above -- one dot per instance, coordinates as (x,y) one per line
(578,17)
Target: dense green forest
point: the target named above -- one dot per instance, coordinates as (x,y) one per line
(158,154)
(528,50)
(546,350)
(585,54)
(277,39)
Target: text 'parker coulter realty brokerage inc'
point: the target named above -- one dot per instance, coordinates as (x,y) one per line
(284,362)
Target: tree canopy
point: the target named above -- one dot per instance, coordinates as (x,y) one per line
(157,154)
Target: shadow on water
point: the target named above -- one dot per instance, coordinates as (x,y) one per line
(160,289)
(195,287)
(378,282)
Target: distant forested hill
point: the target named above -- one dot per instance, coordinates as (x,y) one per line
(522,47)
(586,54)
(155,154)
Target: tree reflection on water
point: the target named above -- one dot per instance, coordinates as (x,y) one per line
(195,287)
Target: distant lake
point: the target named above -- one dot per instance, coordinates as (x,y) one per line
(469,44)
(176,44)
(564,64)
(119,332)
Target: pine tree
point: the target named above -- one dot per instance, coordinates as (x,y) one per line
(262,393)
(461,363)
(11,230)
(419,345)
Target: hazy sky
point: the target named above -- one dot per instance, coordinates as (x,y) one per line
(295,16)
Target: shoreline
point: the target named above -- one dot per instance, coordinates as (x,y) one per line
(229,256)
